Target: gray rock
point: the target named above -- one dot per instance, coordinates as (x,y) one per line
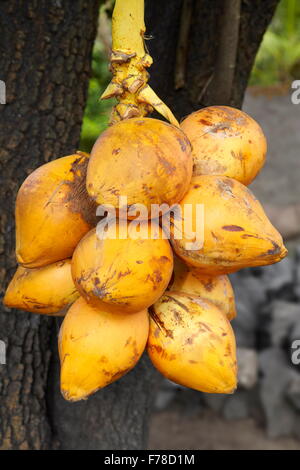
(278,275)
(293,390)
(284,316)
(163,399)
(297,272)
(295,332)
(247,367)
(281,422)
(248,289)
(249,296)
(244,326)
(256,289)
(276,376)
(236,406)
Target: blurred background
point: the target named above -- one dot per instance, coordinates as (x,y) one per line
(265,411)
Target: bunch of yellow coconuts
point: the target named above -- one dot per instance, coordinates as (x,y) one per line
(120,294)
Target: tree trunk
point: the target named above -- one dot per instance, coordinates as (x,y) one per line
(45,59)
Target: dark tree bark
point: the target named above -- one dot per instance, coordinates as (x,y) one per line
(206,27)
(45,60)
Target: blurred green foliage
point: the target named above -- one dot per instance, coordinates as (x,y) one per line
(277,61)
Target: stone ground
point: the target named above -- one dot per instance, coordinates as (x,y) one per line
(174,430)
(278,183)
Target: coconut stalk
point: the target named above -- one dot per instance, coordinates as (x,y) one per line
(129,63)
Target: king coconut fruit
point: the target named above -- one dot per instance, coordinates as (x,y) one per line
(227,142)
(46,290)
(128,273)
(53,211)
(234,234)
(191,342)
(217,289)
(97,347)
(144,159)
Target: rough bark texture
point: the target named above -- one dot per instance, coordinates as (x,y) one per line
(44,60)
(45,63)
(163,21)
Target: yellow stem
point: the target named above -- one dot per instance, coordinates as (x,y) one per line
(128,27)
(129,62)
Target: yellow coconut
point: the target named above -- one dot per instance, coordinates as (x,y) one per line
(236,232)
(192,343)
(217,289)
(124,273)
(146,160)
(97,347)
(225,141)
(46,290)
(53,211)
